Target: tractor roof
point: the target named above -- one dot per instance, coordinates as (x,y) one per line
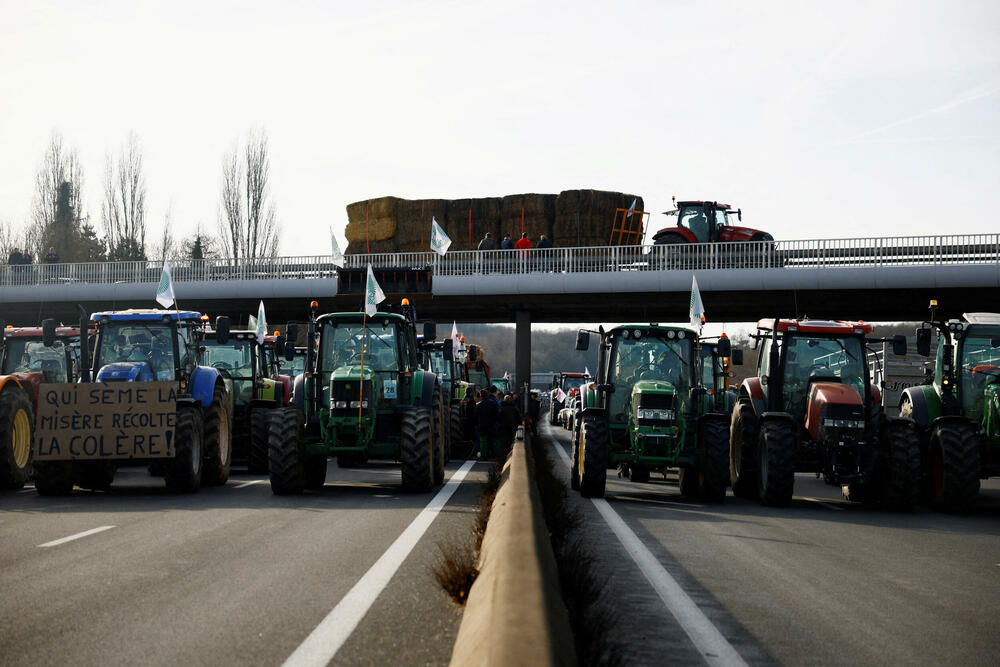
(574,375)
(145,315)
(655,327)
(36,332)
(359,316)
(982,318)
(724,207)
(238,334)
(844,328)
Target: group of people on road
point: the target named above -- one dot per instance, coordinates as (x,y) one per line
(496,419)
(523,243)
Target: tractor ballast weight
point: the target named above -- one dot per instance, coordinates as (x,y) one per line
(812,408)
(958,413)
(648,410)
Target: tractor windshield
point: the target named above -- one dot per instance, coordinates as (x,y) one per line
(133,342)
(235,360)
(439,366)
(711,366)
(651,355)
(570,383)
(828,359)
(343,343)
(693,218)
(980,366)
(295,367)
(24,355)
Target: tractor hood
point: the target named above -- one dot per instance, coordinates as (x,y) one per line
(654,394)
(352,373)
(744,233)
(126,371)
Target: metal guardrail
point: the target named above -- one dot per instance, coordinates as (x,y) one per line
(807,254)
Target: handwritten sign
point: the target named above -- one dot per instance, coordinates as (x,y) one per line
(121,420)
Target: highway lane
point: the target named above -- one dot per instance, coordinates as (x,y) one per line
(821,582)
(230,575)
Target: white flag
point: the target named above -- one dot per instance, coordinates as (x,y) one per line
(632,207)
(261,324)
(165,290)
(560,395)
(251,322)
(697,308)
(373,293)
(455,341)
(439,240)
(338,256)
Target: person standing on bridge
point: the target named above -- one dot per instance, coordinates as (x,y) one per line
(487,243)
(522,246)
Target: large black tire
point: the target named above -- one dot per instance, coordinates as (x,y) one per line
(593,466)
(689,482)
(183,473)
(446,425)
(284,458)
(415,450)
(776,455)
(954,466)
(437,437)
(899,465)
(17,420)
(314,470)
(638,474)
(715,459)
(53,478)
(257,452)
(94,475)
(553,413)
(218,439)
(457,440)
(743,450)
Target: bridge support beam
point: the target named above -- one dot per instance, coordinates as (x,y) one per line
(522,347)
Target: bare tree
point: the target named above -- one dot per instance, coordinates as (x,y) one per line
(199,245)
(123,211)
(57,211)
(166,247)
(248,219)
(8,239)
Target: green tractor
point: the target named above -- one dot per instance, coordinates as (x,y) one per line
(439,358)
(256,388)
(958,414)
(363,396)
(649,410)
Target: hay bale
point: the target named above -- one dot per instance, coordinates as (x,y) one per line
(381,207)
(538,212)
(588,215)
(485,217)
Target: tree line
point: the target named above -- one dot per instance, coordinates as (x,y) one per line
(60,228)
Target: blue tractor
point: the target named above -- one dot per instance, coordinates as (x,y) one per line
(148,346)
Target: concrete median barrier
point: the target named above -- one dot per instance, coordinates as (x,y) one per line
(515,613)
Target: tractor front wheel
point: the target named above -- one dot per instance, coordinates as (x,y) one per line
(53,478)
(257,454)
(742,450)
(218,439)
(94,475)
(714,461)
(900,465)
(415,450)
(776,473)
(437,437)
(16,446)
(284,459)
(314,471)
(954,467)
(183,472)
(593,456)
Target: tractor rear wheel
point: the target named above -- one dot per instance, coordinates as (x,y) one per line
(574,475)
(638,474)
(954,466)
(284,459)
(183,472)
(16,442)
(457,434)
(218,439)
(437,437)
(900,463)
(714,460)
(53,478)
(593,468)
(415,450)
(553,413)
(314,471)
(94,475)
(776,450)
(742,450)
(257,454)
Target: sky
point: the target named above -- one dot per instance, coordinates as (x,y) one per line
(819,120)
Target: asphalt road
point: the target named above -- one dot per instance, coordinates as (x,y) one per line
(822,582)
(228,576)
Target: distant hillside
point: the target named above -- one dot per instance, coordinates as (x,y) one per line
(550,350)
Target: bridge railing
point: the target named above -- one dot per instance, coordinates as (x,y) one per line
(858,252)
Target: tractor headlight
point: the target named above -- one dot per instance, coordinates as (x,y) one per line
(355,404)
(339,405)
(655,413)
(844,423)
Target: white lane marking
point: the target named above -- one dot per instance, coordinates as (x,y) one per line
(714,648)
(324,642)
(25,491)
(824,504)
(64,540)
(251,482)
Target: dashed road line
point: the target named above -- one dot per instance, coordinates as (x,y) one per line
(713,646)
(323,643)
(251,482)
(70,538)
(25,491)
(823,503)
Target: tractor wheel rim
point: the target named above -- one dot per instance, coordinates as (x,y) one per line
(580,462)
(21,438)
(225,441)
(763,464)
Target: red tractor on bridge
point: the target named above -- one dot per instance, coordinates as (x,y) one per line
(706,222)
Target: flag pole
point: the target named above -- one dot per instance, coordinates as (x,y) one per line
(364,337)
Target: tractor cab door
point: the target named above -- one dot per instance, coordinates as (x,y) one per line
(694,219)
(718,231)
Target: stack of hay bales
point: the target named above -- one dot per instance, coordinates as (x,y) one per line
(571,218)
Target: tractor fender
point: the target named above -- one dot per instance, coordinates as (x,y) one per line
(285,382)
(925,403)
(822,394)
(673,235)
(202,384)
(126,371)
(424,385)
(588,395)
(299,394)
(751,388)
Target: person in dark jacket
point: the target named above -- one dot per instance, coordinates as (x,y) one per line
(534,411)
(487,415)
(544,242)
(510,419)
(506,244)
(52,257)
(488,243)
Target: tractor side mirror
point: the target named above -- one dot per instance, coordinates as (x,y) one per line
(430,331)
(724,347)
(736,359)
(899,345)
(924,341)
(48,332)
(222,329)
(292,331)
(449,352)
(582,340)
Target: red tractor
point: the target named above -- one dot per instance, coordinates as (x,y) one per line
(706,222)
(812,408)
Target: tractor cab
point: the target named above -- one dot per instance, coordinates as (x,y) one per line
(706,222)
(145,345)
(25,354)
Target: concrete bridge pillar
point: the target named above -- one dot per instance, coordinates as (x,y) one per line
(522,347)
